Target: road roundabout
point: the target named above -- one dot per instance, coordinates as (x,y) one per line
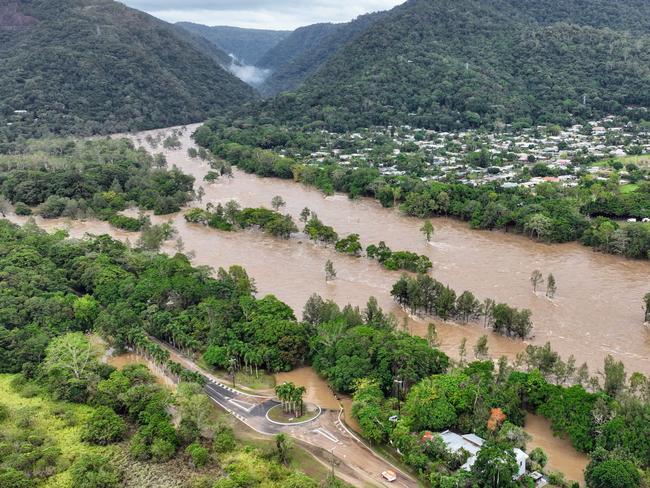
(278,416)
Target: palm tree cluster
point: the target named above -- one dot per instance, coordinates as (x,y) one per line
(160,357)
(291,397)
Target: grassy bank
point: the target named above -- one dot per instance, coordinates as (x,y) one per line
(59,421)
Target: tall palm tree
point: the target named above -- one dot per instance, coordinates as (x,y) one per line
(284,393)
(297,394)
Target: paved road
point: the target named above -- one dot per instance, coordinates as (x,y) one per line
(327,431)
(246,408)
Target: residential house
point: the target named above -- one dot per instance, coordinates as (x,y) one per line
(472,444)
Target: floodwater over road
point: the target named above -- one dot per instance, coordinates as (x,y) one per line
(319,392)
(597,309)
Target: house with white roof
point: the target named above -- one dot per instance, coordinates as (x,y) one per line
(472,444)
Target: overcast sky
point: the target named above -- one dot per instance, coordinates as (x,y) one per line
(260,14)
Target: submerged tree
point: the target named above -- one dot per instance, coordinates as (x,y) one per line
(432,335)
(481,348)
(305,213)
(536,279)
(277,202)
(152,237)
(551,287)
(462,351)
(427,230)
(646,303)
(488,309)
(330,272)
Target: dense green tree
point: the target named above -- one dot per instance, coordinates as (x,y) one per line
(612,473)
(94,471)
(369,410)
(198,454)
(283,446)
(12,478)
(103,427)
(78,86)
(495,466)
(98,177)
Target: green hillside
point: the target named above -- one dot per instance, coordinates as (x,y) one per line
(204,45)
(248,45)
(306,50)
(448,64)
(96,66)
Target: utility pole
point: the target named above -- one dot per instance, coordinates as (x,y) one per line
(399,382)
(232,370)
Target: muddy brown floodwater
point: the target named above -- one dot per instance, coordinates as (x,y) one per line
(319,392)
(597,309)
(562,456)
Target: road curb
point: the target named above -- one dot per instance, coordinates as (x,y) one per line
(369,449)
(290,424)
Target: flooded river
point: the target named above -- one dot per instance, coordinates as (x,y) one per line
(597,309)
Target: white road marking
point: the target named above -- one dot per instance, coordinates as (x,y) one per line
(326,434)
(245,406)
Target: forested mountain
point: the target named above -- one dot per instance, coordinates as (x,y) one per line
(447,64)
(204,46)
(248,45)
(306,50)
(96,66)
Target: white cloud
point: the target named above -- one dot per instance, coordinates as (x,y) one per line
(247,73)
(261,14)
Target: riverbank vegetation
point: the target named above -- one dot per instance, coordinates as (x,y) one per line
(63,288)
(231,216)
(351,344)
(91,178)
(549,212)
(606,417)
(423,294)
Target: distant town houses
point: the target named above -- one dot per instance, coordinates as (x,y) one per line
(523,158)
